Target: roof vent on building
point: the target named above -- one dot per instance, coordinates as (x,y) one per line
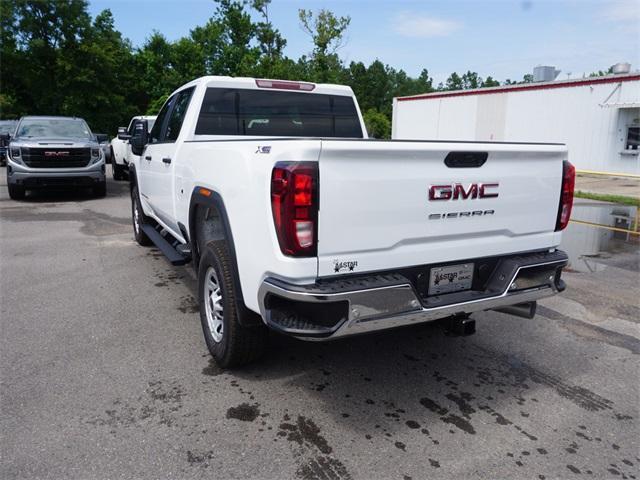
(621,67)
(545,73)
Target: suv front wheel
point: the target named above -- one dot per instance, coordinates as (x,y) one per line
(16,192)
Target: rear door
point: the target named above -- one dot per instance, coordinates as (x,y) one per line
(385,205)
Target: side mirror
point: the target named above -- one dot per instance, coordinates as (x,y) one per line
(140,137)
(4,139)
(122,133)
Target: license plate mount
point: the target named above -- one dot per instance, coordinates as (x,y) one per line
(450,278)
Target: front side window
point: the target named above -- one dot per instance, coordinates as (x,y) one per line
(275,113)
(131,124)
(156,131)
(177,115)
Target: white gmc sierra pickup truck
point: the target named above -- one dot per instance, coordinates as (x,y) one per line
(120,151)
(297,222)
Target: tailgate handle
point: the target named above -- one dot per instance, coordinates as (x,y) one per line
(465,159)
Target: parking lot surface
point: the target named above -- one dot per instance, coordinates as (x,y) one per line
(104,371)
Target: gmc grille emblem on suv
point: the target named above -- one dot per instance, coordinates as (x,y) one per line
(457,191)
(56,154)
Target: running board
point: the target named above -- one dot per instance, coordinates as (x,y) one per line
(169,250)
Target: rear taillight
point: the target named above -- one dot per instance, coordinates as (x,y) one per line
(294,203)
(566,195)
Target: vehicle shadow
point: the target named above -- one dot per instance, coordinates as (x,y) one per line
(76,194)
(417,389)
(417,378)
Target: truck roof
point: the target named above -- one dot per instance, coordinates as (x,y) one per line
(250,82)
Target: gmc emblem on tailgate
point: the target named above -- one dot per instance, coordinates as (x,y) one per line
(457,191)
(56,154)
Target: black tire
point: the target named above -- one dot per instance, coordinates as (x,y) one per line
(138,218)
(238,345)
(117,170)
(16,192)
(100,190)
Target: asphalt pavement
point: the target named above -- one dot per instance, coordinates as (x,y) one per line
(104,373)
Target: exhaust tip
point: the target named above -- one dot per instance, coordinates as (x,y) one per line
(523,310)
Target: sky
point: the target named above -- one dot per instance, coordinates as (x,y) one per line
(501,38)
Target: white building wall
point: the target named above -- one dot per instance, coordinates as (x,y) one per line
(575,115)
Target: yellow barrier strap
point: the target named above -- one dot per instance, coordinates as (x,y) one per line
(608,174)
(607,227)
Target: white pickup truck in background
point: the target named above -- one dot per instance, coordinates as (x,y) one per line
(296,221)
(120,153)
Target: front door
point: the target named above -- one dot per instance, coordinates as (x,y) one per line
(148,166)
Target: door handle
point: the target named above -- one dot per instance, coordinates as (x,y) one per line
(148,157)
(166,160)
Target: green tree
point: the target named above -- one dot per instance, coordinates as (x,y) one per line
(602,73)
(154,65)
(471,80)
(238,56)
(327,33)
(454,82)
(49,38)
(272,62)
(10,62)
(104,87)
(490,82)
(378,124)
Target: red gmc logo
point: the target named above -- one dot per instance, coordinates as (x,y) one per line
(457,191)
(56,154)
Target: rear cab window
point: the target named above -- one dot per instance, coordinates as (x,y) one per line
(247,112)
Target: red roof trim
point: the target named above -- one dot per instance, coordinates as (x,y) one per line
(541,86)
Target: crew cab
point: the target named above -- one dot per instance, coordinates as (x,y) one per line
(120,152)
(297,222)
(54,152)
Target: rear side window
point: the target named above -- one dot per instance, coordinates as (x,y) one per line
(279,114)
(177,115)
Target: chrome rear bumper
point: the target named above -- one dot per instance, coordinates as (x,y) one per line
(365,304)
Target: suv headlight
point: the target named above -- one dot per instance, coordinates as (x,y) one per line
(96,155)
(15,154)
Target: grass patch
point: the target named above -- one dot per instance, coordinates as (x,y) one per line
(603,197)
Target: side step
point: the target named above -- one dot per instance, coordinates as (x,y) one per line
(169,250)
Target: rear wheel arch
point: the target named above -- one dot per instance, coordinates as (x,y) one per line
(208,222)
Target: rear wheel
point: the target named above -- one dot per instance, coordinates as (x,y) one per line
(139,218)
(230,343)
(16,192)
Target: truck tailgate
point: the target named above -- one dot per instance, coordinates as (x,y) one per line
(376,213)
